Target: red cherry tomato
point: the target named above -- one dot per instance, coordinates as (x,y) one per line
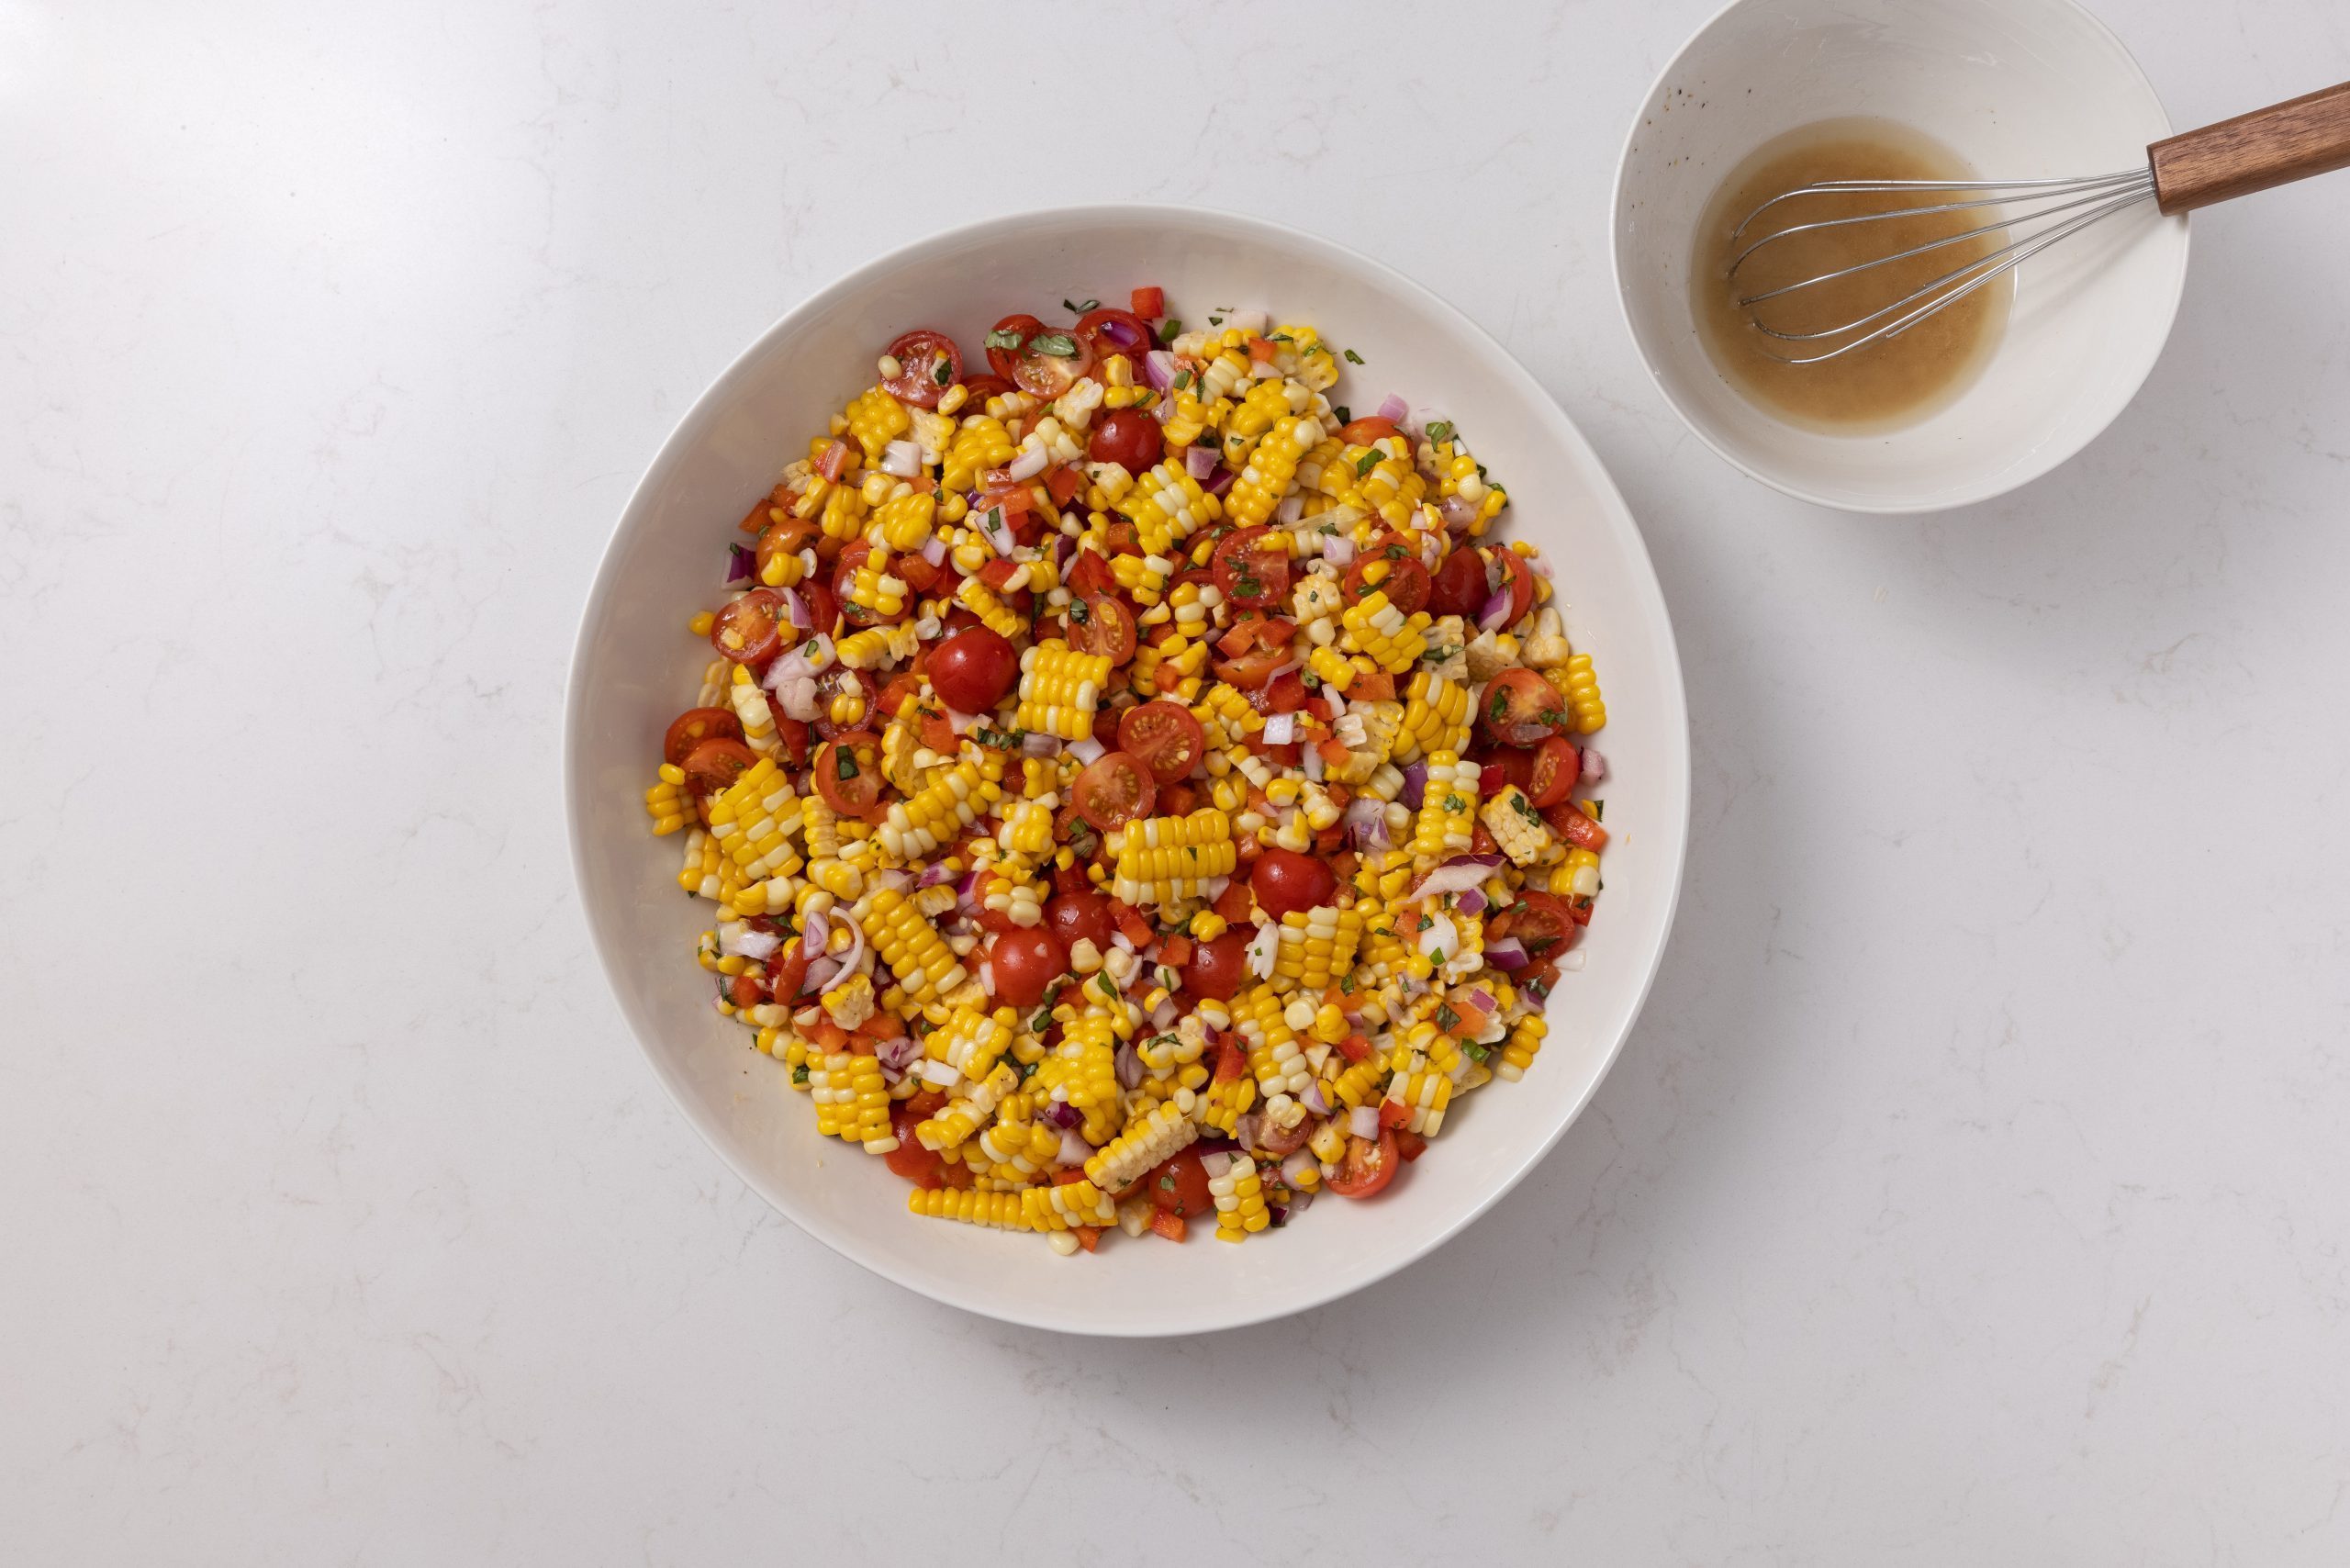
(1251,671)
(1005,342)
(1519,708)
(920,1166)
(1392,567)
(1285,882)
(1025,962)
(1280,1143)
(1517,579)
(1557,766)
(1252,569)
(1079,916)
(931,365)
(1368,1167)
(1165,736)
(1459,587)
(749,630)
(824,609)
(695,725)
(1179,1187)
(1101,626)
(1113,791)
(1566,820)
(786,538)
(1089,576)
(1364,431)
(845,574)
(977,390)
(1111,331)
(715,764)
(848,774)
(1218,969)
(1128,438)
(1541,922)
(842,681)
(972,670)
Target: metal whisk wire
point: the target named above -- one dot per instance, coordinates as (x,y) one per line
(2103,195)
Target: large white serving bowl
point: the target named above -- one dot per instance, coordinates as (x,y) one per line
(2021,89)
(635,667)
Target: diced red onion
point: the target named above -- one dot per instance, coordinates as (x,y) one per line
(1061,1114)
(820,974)
(932,876)
(941,1074)
(1281,729)
(996,530)
(1315,1100)
(1299,1162)
(1594,767)
(1495,615)
(1036,743)
(1260,950)
(740,563)
(1481,999)
(896,1056)
(1470,900)
(1415,785)
(1158,369)
(897,882)
(1507,953)
(934,550)
(1292,507)
(902,459)
(1457,513)
(1163,1016)
(1074,1150)
(1217,1163)
(1245,1129)
(1456,876)
(1338,550)
(796,608)
(1029,464)
(1213,889)
(987,976)
(816,932)
(1129,1066)
(1087,750)
(1363,1121)
(1220,481)
(1199,461)
(740,940)
(969,885)
(1395,409)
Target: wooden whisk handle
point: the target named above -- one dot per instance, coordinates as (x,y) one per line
(2273,146)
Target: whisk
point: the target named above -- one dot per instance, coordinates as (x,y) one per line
(2287,141)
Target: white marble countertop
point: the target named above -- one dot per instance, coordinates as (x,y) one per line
(1971,1192)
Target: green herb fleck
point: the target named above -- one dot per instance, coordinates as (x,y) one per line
(1446,1017)
(1344,414)
(1598,808)
(1081,309)
(1427,921)
(1353,358)
(942,374)
(1347,986)
(1525,807)
(1010,340)
(1060,345)
(1182,379)
(1477,1053)
(1441,431)
(800,1074)
(844,763)
(1455,803)
(1169,328)
(1215,321)
(1367,462)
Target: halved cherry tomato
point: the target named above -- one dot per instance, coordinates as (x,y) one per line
(1089,576)
(1250,671)
(1252,569)
(695,725)
(1517,579)
(788,537)
(824,609)
(748,631)
(717,762)
(1557,766)
(1218,968)
(1149,303)
(917,570)
(1285,881)
(909,1159)
(973,670)
(1368,1166)
(1459,587)
(1540,922)
(1051,361)
(1111,331)
(1281,1143)
(1364,431)
(1393,568)
(1519,708)
(845,574)
(1113,791)
(1101,626)
(842,681)
(1166,737)
(1179,1186)
(1024,963)
(1130,438)
(930,363)
(1566,820)
(1006,340)
(848,774)
(977,390)
(1081,917)
(793,735)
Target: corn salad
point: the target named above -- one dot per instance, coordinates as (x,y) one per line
(1136,792)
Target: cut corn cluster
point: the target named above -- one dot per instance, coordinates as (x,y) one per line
(1068,988)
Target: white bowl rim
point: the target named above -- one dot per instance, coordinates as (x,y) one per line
(1991,489)
(1674,723)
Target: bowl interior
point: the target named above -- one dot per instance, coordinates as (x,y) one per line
(2021,89)
(635,667)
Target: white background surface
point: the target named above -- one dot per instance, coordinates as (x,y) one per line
(1971,1190)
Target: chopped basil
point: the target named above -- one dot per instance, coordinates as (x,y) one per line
(1353,358)
(800,1075)
(1441,431)
(1343,414)
(1169,328)
(1081,309)
(1525,807)
(1010,340)
(1477,1053)
(1182,379)
(943,374)
(1598,808)
(1446,1017)
(1427,921)
(1280,338)
(1215,321)
(1347,986)
(845,762)
(1367,462)
(1060,345)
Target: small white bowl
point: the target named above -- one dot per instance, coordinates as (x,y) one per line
(635,667)
(2021,89)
